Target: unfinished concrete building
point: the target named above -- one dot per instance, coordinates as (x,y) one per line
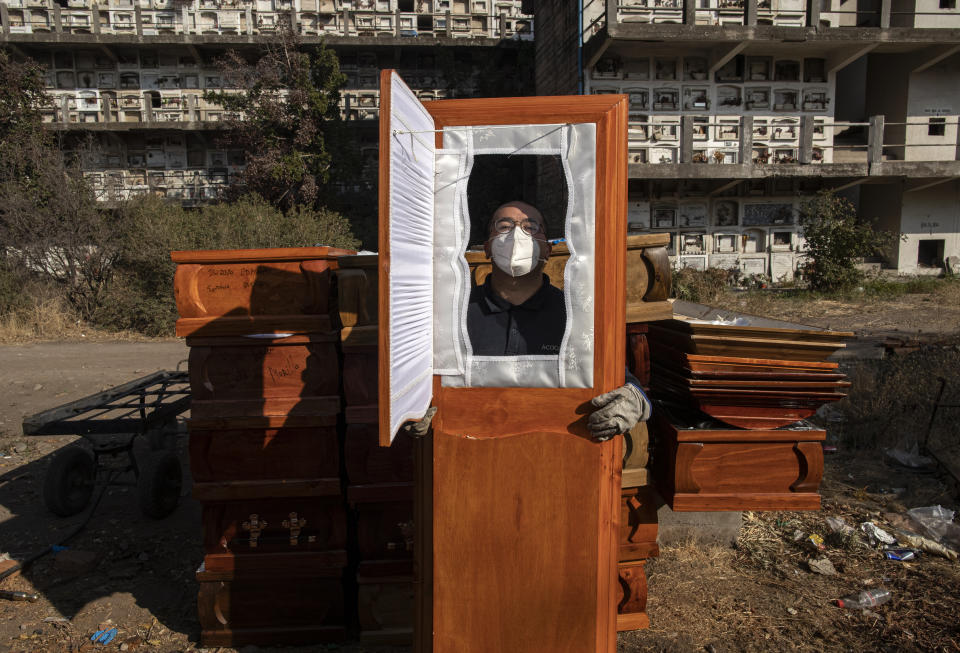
(741,109)
(133,73)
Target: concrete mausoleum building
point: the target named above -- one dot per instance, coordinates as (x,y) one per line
(739,109)
(133,73)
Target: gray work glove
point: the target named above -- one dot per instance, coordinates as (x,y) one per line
(419,428)
(618,411)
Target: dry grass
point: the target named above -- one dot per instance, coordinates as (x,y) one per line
(47,317)
(890,401)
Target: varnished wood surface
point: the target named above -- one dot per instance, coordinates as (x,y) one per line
(745,501)
(736,331)
(256,489)
(275,254)
(658,262)
(502,456)
(260,454)
(711,469)
(769,382)
(250,370)
(638,523)
(384,530)
(360,376)
(250,566)
(745,347)
(238,324)
(498,584)
(367,462)
(257,291)
(271,611)
(632,596)
(648,311)
(224,532)
(383,261)
(235,409)
(695,362)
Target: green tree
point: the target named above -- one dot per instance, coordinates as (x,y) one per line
(49,218)
(836,240)
(286,119)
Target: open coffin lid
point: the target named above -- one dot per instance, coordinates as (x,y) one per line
(510,430)
(427,152)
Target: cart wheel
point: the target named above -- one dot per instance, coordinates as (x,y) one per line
(69,482)
(159,485)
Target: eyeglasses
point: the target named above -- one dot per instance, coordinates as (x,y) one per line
(504,225)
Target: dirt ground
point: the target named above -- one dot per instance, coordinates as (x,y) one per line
(935,313)
(757,595)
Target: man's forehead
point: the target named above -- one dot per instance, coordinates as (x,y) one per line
(518,210)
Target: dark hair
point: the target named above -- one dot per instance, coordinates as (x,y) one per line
(543,218)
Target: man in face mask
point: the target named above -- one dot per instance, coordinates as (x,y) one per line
(516,311)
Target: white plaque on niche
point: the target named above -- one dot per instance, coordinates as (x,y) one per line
(724,261)
(692,215)
(695,262)
(753,265)
(638,216)
(781,267)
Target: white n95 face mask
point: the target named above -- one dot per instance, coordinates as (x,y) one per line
(516,252)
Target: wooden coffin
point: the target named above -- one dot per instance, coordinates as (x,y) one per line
(638,353)
(258,454)
(231,292)
(302,607)
(274,525)
(648,275)
(730,469)
(668,356)
(359,374)
(244,376)
(385,602)
(357,289)
(369,463)
(632,596)
(384,517)
(767,382)
(748,342)
(638,523)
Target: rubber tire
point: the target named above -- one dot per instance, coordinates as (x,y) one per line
(159,485)
(69,483)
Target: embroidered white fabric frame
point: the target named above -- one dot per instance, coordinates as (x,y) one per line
(412,162)
(454,359)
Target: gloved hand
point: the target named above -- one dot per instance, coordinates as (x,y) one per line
(419,428)
(618,411)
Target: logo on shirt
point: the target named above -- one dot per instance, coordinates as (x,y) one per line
(550,348)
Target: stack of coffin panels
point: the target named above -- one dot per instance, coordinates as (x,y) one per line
(743,376)
(731,431)
(380,488)
(264,444)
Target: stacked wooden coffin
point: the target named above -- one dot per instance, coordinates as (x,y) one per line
(264,446)
(731,432)
(380,479)
(638,502)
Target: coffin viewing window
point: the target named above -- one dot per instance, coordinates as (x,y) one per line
(445,180)
(478,170)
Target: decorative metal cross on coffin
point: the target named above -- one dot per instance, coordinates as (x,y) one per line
(518,507)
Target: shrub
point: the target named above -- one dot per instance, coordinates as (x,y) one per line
(836,240)
(702,286)
(141,296)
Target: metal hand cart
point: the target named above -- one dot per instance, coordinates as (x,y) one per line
(111,422)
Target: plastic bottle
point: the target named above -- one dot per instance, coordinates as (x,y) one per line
(865,599)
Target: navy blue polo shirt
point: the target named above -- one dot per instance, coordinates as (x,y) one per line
(499,328)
